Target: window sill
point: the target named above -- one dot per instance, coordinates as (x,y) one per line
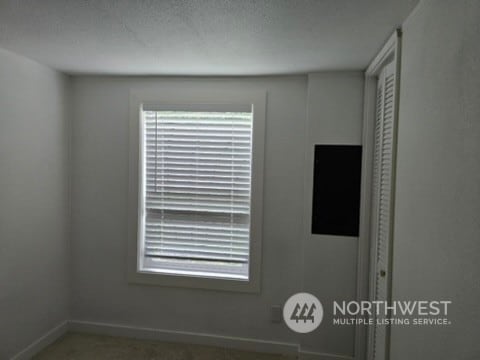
(151,277)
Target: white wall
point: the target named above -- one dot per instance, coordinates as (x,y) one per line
(34,213)
(437,220)
(100,152)
(334,116)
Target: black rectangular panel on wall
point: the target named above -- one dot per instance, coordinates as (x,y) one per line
(336,190)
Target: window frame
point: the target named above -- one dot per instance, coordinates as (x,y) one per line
(188,99)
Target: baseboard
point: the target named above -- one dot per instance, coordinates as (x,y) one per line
(310,355)
(240,343)
(42,342)
(184,337)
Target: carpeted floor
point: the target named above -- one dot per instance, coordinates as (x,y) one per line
(74,346)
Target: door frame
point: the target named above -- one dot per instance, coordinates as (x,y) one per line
(390,51)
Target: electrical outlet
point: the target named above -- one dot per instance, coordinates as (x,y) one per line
(276,314)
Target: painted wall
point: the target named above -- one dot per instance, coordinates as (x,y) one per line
(334,116)
(99,219)
(34,211)
(437,220)
(100,153)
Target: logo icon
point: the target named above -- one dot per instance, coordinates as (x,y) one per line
(303,312)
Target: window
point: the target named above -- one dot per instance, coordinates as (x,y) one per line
(196,192)
(198,205)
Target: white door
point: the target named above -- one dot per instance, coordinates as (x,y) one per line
(382,205)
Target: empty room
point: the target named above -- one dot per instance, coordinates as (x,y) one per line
(239,179)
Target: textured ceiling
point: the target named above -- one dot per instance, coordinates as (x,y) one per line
(199,37)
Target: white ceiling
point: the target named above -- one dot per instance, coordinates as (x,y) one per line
(199,37)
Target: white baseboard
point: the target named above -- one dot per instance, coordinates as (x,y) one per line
(239,343)
(42,342)
(185,337)
(310,355)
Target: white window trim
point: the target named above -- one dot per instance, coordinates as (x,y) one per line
(189,97)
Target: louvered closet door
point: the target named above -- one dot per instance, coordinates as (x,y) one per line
(382,195)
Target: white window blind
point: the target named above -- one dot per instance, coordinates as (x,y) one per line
(197,185)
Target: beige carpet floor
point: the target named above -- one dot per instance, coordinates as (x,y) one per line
(75,346)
